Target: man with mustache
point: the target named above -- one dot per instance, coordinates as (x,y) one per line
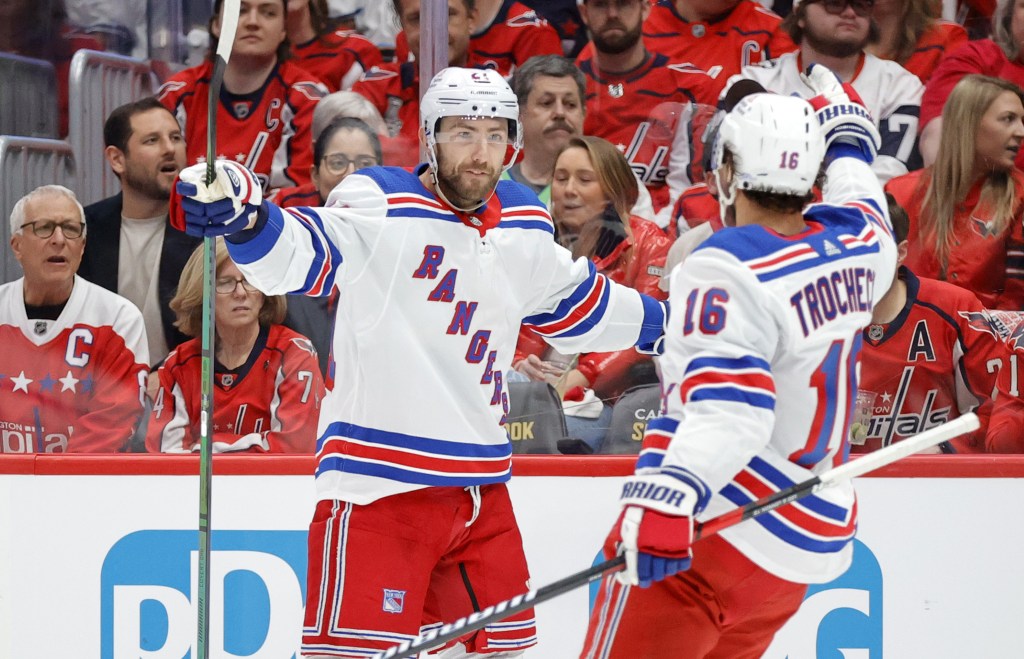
(550,90)
(642,101)
(132,249)
(436,270)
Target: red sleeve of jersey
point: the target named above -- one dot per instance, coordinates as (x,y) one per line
(982,57)
(119,388)
(530,343)
(296,404)
(608,372)
(1012,296)
(374,85)
(942,38)
(168,407)
(1004,428)
(983,356)
(302,95)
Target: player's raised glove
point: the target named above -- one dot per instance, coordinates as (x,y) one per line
(841,112)
(227,205)
(655,529)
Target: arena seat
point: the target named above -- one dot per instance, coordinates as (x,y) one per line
(629,419)
(28,97)
(536,421)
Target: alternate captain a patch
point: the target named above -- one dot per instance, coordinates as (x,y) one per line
(394,601)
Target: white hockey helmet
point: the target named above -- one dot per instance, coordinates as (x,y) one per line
(459,92)
(776,145)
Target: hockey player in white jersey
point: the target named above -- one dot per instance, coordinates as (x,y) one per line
(760,378)
(436,270)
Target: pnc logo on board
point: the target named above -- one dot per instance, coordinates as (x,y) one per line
(841,619)
(257,589)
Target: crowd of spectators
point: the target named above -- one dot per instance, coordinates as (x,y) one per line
(617,102)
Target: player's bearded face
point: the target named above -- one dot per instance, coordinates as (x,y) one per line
(468,169)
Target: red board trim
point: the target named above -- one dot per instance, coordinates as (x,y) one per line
(917,466)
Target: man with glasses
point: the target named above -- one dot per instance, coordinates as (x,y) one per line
(132,250)
(437,268)
(74,360)
(834,33)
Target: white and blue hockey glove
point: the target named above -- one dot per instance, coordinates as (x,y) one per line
(227,205)
(655,529)
(841,112)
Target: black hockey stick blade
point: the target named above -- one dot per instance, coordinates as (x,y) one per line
(862,465)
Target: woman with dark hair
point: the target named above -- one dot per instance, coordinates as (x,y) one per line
(267,383)
(337,57)
(592,193)
(266,105)
(965,210)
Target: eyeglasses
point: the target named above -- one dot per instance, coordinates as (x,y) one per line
(465,138)
(860,7)
(337,163)
(71,230)
(227,285)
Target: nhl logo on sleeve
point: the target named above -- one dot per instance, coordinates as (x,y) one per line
(394,601)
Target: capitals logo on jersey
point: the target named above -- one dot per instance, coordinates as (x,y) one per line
(1005,325)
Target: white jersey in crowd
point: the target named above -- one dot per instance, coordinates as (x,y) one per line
(890,93)
(429,310)
(760,371)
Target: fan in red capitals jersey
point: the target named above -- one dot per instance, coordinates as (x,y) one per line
(266,104)
(758,381)
(394,88)
(643,102)
(436,269)
(718,36)
(930,356)
(335,57)
(74,360)
(267,380)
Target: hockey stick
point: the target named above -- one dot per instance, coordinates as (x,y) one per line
(862,465)
(228,26)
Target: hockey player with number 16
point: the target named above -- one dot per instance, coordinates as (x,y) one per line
(760,379)
(436,268)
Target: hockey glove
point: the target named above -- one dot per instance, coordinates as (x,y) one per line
(229,204)
(841,113)
(655,529)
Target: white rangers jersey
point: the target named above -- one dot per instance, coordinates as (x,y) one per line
(890,93)
(760,372)
(429,311)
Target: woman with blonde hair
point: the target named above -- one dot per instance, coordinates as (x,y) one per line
(592,192)
(267,383)
(965,210)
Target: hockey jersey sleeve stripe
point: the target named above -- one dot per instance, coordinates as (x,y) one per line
(320,277)
(743,380)
(246,248)
(340,431)
(579,312)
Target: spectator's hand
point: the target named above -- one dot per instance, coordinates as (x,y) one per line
(537,369)
(655,529)
(230,203)
(841,112)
